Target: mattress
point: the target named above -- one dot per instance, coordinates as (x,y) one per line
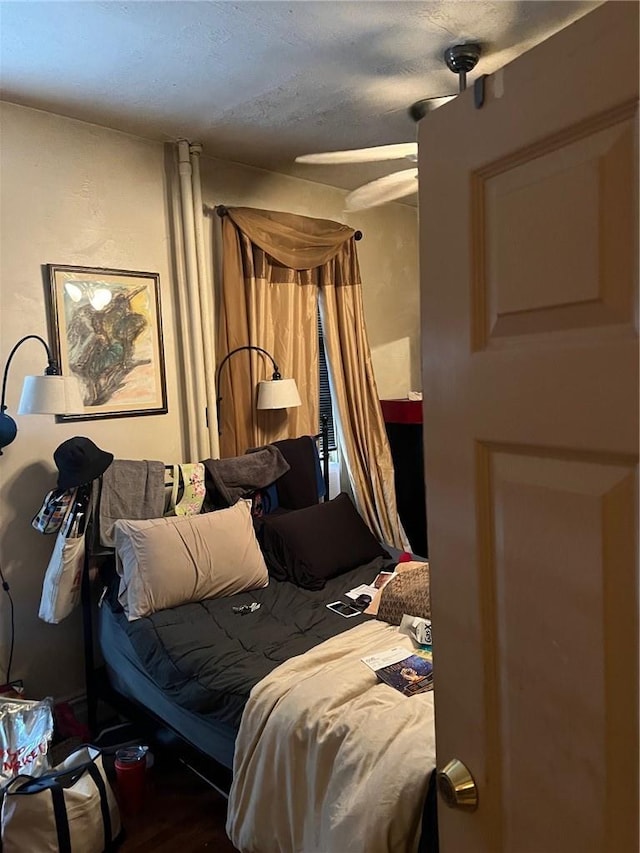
(195,665)
(129,678)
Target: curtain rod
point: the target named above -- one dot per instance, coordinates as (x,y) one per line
(221,210)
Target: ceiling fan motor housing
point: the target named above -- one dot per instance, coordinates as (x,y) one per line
(461,59)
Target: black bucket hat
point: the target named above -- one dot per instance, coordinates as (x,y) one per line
(80,461)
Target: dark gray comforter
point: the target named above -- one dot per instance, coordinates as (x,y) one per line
(207,658)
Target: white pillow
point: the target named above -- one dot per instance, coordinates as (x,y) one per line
(163,562)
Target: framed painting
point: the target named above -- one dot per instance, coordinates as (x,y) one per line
(107,331)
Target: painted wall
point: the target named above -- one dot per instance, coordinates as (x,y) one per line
(74,193)
(71,193)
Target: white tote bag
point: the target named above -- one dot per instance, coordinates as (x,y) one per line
(70,809)
(63,577)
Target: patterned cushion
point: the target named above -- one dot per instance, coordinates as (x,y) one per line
(407,592)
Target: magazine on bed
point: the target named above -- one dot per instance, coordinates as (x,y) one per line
(408,673)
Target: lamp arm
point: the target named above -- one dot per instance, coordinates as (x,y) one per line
(238,349)
(276,370)
(52,368)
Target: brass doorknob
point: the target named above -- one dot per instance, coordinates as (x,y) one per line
(457,787)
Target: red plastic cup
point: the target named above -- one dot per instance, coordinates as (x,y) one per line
(131,773)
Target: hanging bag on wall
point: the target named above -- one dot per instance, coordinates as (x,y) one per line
(54,510)
(62,579)
(71,808)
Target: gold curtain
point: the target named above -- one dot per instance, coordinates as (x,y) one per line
(274,265)
(364,442)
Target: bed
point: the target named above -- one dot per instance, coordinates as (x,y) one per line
(278,695)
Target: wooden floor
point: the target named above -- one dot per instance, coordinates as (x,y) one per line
(182,813)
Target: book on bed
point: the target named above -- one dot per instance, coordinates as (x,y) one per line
(408,673)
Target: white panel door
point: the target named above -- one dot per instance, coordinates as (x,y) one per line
(529,254)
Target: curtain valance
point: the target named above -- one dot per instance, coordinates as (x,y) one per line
(300,242)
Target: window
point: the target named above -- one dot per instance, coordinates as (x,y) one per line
(325,389)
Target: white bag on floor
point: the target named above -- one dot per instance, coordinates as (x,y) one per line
(26,729)
(70,808)
(62,579)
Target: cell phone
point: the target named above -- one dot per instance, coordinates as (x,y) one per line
(343,609)
(381,579)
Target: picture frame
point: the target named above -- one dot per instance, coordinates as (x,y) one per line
(106,327)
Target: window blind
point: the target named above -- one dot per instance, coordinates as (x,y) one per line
(325,389)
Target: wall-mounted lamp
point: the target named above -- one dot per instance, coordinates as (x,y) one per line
(275,393)
(51,394)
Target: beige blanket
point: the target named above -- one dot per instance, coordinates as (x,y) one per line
(329,760)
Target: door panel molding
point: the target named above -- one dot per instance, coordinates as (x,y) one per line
(581,491)
(580,180)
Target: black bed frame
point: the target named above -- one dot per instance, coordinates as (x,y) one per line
(150,726)
(147,726)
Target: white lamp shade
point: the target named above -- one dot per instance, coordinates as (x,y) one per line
(50,395)
(278,394)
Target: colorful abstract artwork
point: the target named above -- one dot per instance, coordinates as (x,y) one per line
(107,330)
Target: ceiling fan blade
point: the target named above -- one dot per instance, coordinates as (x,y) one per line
(422,108)
(397,151)
(385,189)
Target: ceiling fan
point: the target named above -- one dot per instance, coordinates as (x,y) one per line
(461,59)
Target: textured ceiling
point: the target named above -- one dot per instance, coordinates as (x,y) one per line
(258,82)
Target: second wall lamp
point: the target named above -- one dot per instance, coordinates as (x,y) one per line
(276,393)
